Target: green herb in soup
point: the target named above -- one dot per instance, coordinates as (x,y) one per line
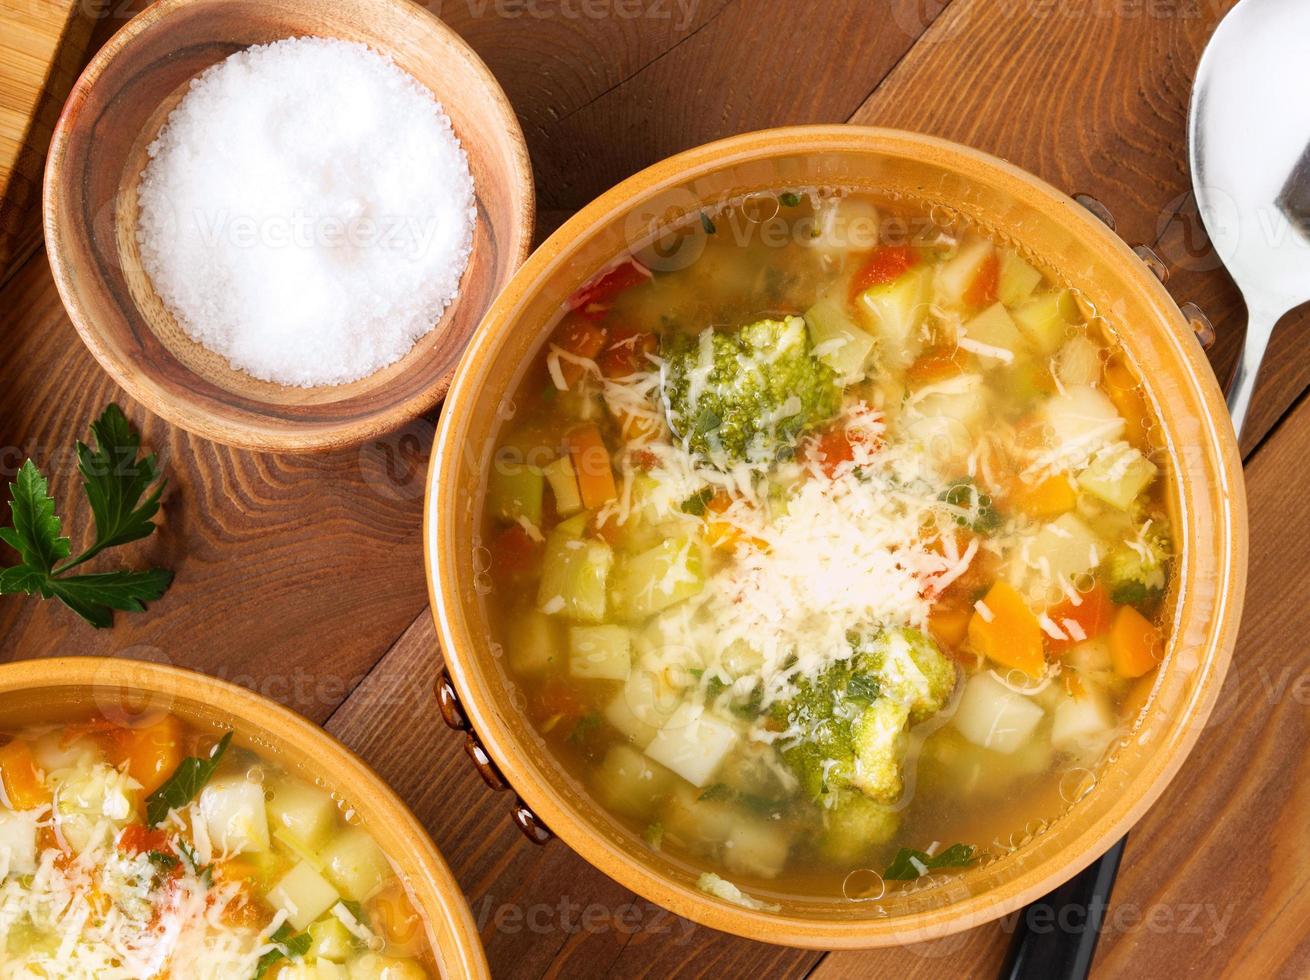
(830,546)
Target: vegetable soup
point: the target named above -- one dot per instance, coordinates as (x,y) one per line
(837,556)
(159,850)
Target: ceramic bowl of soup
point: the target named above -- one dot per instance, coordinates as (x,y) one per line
(153,821)
(836,536)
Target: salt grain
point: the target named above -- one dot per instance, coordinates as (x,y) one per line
(307,211)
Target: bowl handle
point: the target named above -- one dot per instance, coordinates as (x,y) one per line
(452,713)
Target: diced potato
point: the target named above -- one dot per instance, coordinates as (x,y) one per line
(355,864)
(574,575)
(1081,725)
(533,642)
(692,743)
(564,486)
(303,894)
(235,815)
(88,797)
(754,847)
(600,652)
(316,970)
(957,274)
(667,574)
(992,716)
(1117,475)
(940,419)
(897,310)
(329,939)
(843,224)
(646,702)
(1083,419)
(515,491)
(994,328)
(17,842)
(1016,280)
(1062,550)
(837,341)
(52,753)
(306,811)
(1046,318)
(1078,362)
(699,824)
(630,783)
(372,966)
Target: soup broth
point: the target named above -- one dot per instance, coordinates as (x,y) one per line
(835,556)
(156,849)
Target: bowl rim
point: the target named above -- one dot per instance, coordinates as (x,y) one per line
(805,932)
(459,948)
(252,433)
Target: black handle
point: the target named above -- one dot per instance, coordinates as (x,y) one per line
(1056,936)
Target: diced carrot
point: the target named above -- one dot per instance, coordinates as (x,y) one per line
(139,839)
(1136,645)
(982,291)
(558,698)
(637,428)
(949,624)
(23,786)
(1093,616)
(582,339)
(725,535)
(1051,497)
(1008,633)
(1126,394)
(830,450)
(593,300)
(936,364)
(627,352)
(515,555)
(1073,685)
(151,752)
(591,463)
(884,264)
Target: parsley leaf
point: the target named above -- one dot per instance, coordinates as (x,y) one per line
(789,199)
(188,779)
(289,946)
(909,864)
(695,504)
(115,482)
(206,873)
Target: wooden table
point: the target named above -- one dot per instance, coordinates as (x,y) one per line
(302,577)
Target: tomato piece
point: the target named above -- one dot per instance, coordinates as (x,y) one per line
(982,291)
(831,449)
(884,264)
(593,300)
(514,554)
(937,364)
(1093,616)
(627,352)
(138,839)
(580,338)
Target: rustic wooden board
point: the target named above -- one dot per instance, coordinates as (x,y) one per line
(302,575)
(42,43)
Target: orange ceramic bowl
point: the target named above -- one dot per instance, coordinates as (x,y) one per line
(1208,503)
(52,691)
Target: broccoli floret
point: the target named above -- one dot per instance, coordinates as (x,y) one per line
(912,670)
(879,743)
(1136,574)
(854,826)
(749,394)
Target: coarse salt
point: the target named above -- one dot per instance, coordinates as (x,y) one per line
(307,211)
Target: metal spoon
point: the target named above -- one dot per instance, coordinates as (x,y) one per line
(1249,149)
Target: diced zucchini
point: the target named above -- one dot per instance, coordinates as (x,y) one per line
(315,970)
(994,717)
(665,575)
(994,328)
(1081,724)
(1117,475)
(355,864)
(533,642)
(1017,279)
(630,783)
(692,743)
(1083,419)
(898,309)
(646,701)
(958,273)
(306,811)
(837,341)
(1079,362)
(515,492)
(1045,319)
(304,894)
(18,840)
(754,847)
(602,653)
(88,797)
(329,939)
(1062,549)
(564,485)
(235,815)
(574,575)
(372,966)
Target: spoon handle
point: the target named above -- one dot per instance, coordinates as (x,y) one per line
(1259,328)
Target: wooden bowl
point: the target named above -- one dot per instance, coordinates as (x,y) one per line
(1209,501)
(53,691)
(93,173)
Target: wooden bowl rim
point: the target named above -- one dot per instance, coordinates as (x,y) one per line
(249,430)
(473,678)
(459,947)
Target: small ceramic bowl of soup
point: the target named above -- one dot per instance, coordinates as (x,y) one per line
(155,822)
(836,536)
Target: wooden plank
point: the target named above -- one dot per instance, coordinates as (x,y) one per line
(42,43)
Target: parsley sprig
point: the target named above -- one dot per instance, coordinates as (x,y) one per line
(123,505)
